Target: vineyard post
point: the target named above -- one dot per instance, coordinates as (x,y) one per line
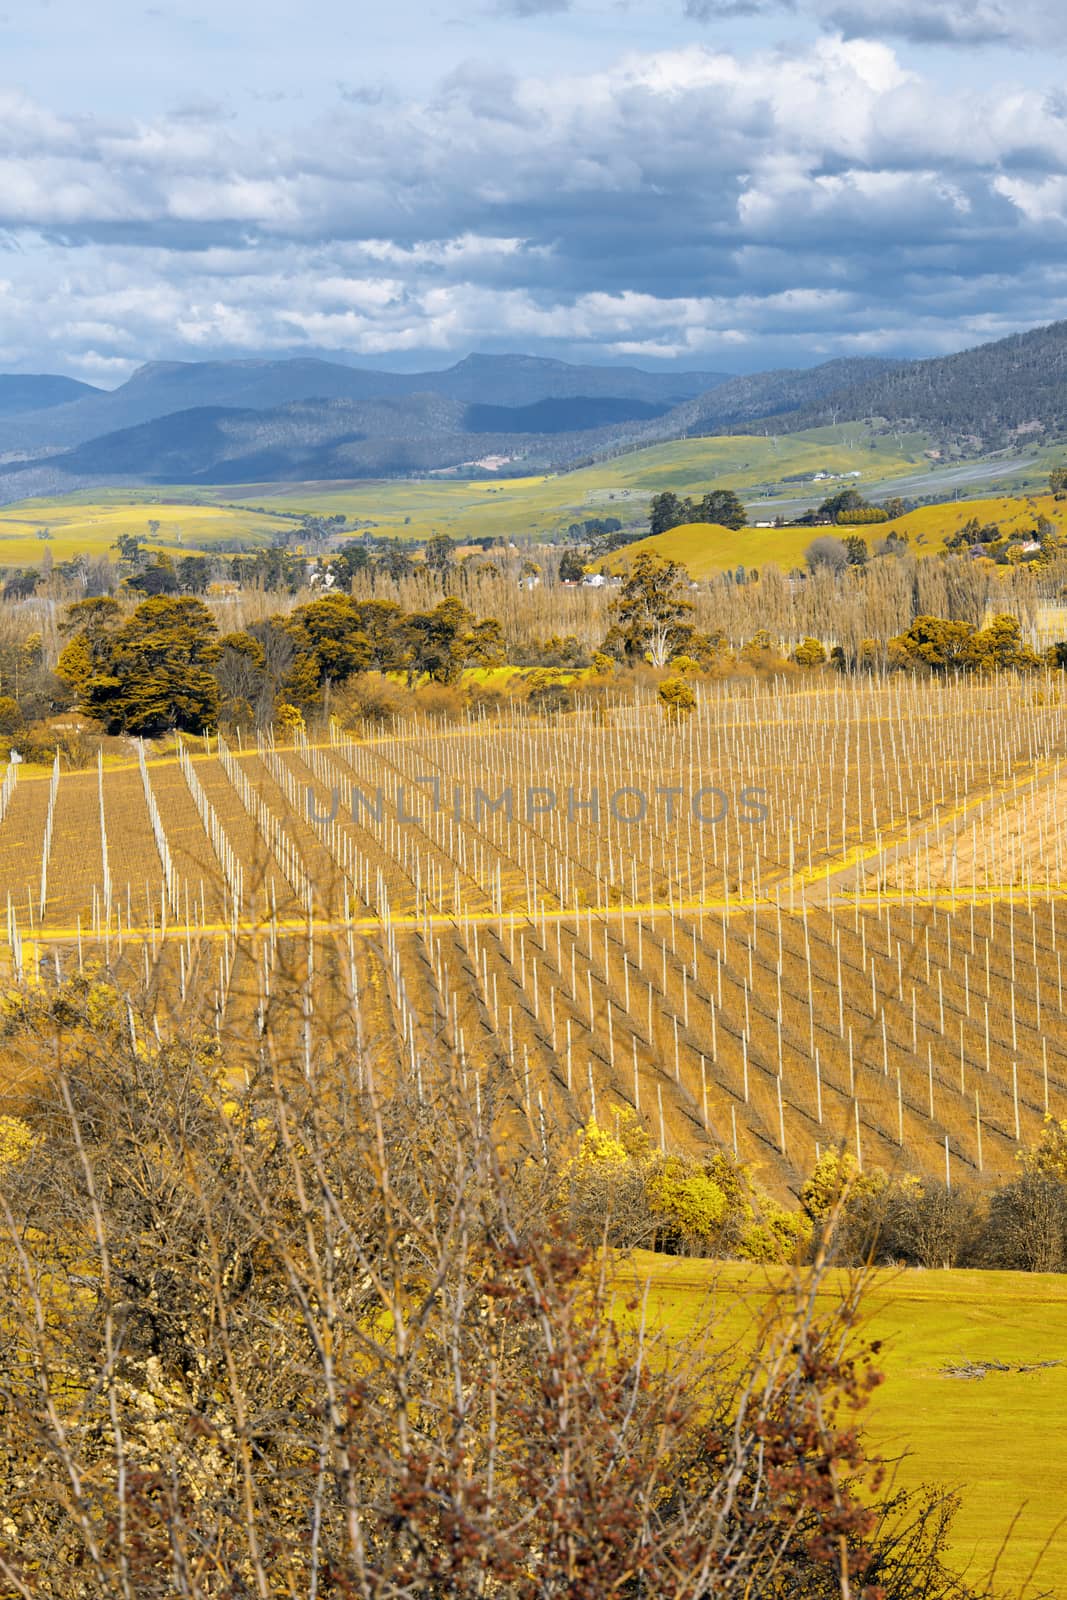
(900,1110)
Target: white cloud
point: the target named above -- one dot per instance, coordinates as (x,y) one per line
(685,201)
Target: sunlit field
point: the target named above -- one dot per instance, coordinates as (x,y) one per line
(524,508)
(705,549)
(995,1435)
(78,528)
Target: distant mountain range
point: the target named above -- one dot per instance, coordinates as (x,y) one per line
(231,422)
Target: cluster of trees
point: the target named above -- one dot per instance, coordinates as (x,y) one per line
(848,507)
(942,646)
(720,506)
(165,666)
(272,1333)
(1020,1226)
(152,572)
(1006,547)
(621,1185)
(593,528)
(974,532)
(652,621)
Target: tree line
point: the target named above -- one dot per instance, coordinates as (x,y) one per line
(165,665)
(623,1184)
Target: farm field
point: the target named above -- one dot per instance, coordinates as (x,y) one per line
(997,1438)
(838,918)
(91,528)
(523,508)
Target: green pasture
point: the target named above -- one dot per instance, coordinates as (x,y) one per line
(519,509)
(76,525)
(705,549)
(999,1439)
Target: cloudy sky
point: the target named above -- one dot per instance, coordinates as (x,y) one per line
(721,184)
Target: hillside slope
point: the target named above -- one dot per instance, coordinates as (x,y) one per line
(985,398)
(766,395)
(20,392)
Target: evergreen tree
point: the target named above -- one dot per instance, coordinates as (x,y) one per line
(667,512)
(722,507)
(650,615)
(435,641)
(329,630)
(571,569)
(154,670)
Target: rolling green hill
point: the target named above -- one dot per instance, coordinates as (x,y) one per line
(704,549)
(526,508)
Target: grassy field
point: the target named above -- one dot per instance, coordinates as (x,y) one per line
(998,1439)
(78,527)
(705,549)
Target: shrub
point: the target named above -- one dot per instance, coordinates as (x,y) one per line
(546,692)
(441,701)
(290,1337)
(41,743)
(677,698)
(1028,1225)
(369,697)
(11,720)
(810,653)
(288,718)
